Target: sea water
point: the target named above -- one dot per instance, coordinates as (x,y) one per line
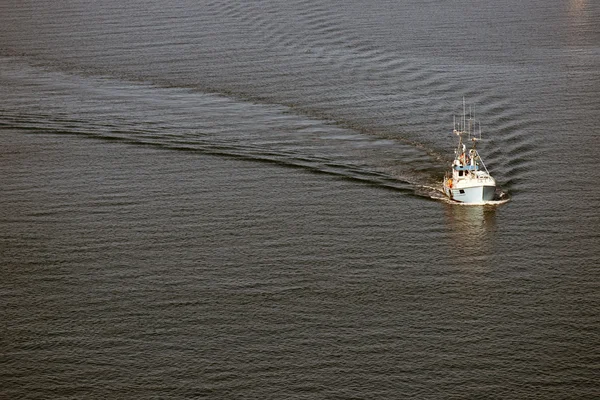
(237,199)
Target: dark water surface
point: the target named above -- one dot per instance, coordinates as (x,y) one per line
(236,199)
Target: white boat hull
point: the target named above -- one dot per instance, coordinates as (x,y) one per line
(472,194)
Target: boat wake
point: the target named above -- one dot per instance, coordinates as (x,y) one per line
(191,120)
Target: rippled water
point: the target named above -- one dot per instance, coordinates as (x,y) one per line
(238,199)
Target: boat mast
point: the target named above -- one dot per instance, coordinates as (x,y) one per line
(464,115)
(470,122)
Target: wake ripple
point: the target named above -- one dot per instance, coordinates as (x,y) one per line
(185,120)
(305,59)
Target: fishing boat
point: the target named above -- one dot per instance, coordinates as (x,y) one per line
(469,180)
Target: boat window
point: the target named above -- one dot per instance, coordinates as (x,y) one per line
(460,173)
(462,191)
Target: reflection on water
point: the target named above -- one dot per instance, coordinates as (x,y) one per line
(472,228)
(577,6)
(580,23)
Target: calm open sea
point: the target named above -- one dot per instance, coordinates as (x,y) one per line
(237,200)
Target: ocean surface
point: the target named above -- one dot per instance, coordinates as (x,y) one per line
(240,200)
